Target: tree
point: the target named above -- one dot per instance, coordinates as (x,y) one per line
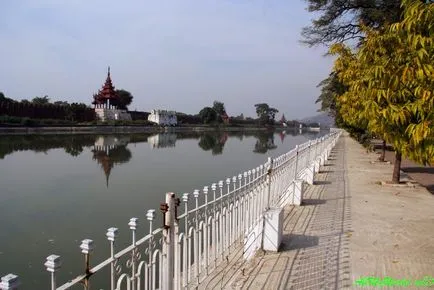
(41,100)
(208,115)
(340,20)
(219,107)
(125,98)
(61,103)
(265,113)
(391,83)
(3,98)
(330,88)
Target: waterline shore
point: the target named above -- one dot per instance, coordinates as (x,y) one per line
(117,129)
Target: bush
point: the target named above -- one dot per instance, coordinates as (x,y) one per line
(27,122)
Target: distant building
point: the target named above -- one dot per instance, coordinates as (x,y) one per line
(163,117)
(106,101)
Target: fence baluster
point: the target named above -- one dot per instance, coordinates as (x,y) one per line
(11,281)
(133,226)
(214,224)
(53,264)
(150,216)
(187,246)
(221,220)
(196,235)
(87,247)
(111,235)
(205,231)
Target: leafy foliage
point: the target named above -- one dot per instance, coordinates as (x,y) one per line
(125,98)
(266,113)
(390,83)
(219,107)
(208,115)
(41,100)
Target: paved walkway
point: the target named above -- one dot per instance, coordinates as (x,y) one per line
(348,227)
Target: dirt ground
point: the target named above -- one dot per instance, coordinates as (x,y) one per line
(424,175)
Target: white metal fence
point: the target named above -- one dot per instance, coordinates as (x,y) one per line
(200,229)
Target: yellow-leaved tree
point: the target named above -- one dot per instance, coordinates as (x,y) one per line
(391,83)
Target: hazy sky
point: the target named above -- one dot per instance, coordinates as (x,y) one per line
(179,54)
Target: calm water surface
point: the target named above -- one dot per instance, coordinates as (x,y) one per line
(58,190)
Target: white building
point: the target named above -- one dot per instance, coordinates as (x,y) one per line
(163,117)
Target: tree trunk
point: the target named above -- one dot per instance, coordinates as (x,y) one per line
(397,168)
(383,152)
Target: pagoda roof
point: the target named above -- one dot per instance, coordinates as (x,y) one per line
(107,91)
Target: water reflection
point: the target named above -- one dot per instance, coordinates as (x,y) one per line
(213,141)
(111,150)
(72,144)
(264,143)
(162,140)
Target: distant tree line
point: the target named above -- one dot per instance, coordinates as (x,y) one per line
(217,115)
(41,108)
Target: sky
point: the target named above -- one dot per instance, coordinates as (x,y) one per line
(170,54)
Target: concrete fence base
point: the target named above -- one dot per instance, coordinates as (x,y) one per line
(297,196)
(273,229)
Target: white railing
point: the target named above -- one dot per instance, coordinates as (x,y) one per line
(200,230)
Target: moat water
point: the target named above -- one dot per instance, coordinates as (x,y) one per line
(59,189)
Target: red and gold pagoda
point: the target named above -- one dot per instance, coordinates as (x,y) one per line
(106,97)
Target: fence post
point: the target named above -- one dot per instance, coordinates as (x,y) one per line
(133,226)
(206,231)
(53,264)
(168,209)
(176,247)
(196,235)
(267,204)
(308,156)
(9,282)
(269,171)
(87,248)
(296,162)
(297,193)
(111,235)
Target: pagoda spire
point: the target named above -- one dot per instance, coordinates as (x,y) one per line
(107,179)
(107,94)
